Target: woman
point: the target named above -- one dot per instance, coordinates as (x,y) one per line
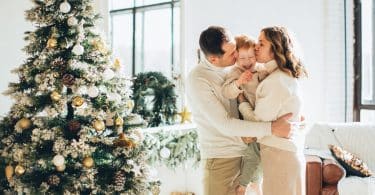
(282,159)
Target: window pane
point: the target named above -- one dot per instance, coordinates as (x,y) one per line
(149,2)
(367,116)
(367,53)
(153,41)
(176,40)
(122,40)
(121,4)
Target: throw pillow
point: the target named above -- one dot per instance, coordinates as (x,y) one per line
(351,163)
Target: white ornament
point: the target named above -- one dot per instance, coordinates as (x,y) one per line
(72,21)
(114,97)
(165,152)
(58,160)
(93,91)
(65,7)
(82,90)
(78,49)
(108,74)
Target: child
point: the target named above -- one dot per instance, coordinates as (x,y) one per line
(243,79)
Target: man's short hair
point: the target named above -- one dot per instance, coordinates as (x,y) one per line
(211,40)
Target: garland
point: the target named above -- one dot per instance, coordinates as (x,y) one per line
(156,85)
(172,148)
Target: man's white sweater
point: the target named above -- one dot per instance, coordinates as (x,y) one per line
(219,129)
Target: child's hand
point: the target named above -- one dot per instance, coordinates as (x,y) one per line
(248,140)
(244,78)
(241,98)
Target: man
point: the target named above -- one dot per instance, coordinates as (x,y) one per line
(216,117)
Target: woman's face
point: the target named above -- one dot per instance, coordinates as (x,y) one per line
(263,52)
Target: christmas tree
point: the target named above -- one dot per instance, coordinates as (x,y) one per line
(70,131)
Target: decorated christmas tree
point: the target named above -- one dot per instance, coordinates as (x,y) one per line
(71,128)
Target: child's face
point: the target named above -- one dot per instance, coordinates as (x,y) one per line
(246,58)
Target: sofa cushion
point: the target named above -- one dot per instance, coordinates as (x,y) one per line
(352,164)
(356,185)
(332,172)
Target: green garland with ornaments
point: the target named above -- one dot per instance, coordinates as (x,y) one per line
(156,86)
(172,148)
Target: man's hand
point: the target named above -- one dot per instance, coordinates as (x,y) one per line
(281,127)
(244,78)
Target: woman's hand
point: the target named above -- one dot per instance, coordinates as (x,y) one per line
(241,98)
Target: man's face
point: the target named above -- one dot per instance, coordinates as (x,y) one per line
(228,58)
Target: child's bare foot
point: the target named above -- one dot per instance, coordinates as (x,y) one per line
(240,190)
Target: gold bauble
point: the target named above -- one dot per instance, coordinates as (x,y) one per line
(119,121)
(9,171)
(55,96)
(88,162)
(123,141)
(24,123)
(51,43)
(98,125)
(77,101)
(19,170)
(56,74)
(61,168)
(117,64)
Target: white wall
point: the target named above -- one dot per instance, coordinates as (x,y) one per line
(13,26)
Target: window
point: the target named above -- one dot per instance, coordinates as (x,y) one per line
(145,35)
(364,105)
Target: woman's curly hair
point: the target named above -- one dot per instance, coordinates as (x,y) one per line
(282,47)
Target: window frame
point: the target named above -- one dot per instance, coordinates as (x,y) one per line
(172,4)
(358,104)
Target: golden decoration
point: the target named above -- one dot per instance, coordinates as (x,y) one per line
(24,123)
(56,75)
(77,101)
(117,64)
(9,171)
(19,170)
(61,168)
(119,121)
(99,46)
(51,43)
(88,162)
(55,96)
(98,125)
(123,141)
(185,115)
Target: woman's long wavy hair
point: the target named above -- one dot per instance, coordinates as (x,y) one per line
(282,47)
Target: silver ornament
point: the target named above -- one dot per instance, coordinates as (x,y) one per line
(65,7)
(78,49)
(72,21)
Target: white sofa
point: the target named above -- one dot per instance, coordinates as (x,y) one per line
(357,138)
